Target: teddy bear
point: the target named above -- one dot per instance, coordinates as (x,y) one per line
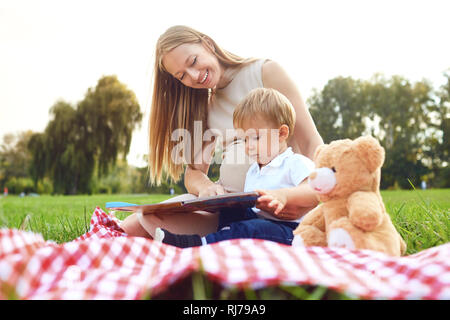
(351,214)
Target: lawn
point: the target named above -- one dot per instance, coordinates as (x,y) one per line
(421,217)
(61,218)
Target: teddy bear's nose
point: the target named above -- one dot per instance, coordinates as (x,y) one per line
(313,175)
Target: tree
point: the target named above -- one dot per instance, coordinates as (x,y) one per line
(339,110)
(80,141)
(439,136)
(109,114)
(401,109)
(40,157)
(14,156)
(395,111)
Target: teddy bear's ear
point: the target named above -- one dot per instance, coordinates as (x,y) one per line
(370,151)
(318,149)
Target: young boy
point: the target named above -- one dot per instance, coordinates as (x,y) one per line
(265,120)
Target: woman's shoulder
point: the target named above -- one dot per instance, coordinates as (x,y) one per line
(269,65)
(247,77)
(272,73)
(253,66)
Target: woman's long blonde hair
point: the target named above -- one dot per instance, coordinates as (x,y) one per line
(176,106)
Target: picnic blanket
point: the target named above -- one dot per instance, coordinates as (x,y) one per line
(105,263)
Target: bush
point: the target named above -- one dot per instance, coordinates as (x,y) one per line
(19,185)
(443,179)
(45,187)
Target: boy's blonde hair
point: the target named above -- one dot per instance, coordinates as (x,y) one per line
(267,104)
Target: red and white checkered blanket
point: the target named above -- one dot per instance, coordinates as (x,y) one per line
(105,263)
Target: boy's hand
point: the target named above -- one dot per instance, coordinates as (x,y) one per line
(272,201)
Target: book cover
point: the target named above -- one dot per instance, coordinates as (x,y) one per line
(210,204)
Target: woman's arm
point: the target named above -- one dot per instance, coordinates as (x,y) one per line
(197,182)
(196,178)
(305,131)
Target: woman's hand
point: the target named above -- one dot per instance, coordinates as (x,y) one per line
(212,190)
(273,201)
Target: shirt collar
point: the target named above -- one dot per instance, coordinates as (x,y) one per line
(275,163)
(278,160)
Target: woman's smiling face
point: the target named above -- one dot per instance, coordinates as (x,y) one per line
(194,65)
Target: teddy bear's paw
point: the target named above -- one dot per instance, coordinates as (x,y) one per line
(340,238)
(298,241)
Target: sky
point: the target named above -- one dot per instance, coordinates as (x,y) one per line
(51,50)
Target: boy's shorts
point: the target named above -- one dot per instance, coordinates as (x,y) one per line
(245,223)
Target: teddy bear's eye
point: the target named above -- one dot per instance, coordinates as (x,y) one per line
(333,169)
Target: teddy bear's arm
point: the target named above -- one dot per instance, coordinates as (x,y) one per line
(364,210)
(311,231)
(315,218)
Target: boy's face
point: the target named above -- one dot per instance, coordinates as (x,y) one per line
(262,140)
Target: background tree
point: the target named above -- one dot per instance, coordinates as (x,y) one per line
(339,110)
(109,113)
(438,138)
(40,158)
(62,154)
(403,116)
(401,109)
(80,141)
(14,158)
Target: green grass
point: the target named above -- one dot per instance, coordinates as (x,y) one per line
(421,217)
(61,218)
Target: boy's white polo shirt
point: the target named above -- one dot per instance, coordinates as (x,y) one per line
(286,170)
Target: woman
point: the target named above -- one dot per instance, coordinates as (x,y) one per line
(198,82)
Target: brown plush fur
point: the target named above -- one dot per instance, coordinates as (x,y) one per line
(355,203)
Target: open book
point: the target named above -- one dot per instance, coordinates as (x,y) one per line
(210,204)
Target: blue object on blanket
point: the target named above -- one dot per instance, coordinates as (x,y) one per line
(117,204)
